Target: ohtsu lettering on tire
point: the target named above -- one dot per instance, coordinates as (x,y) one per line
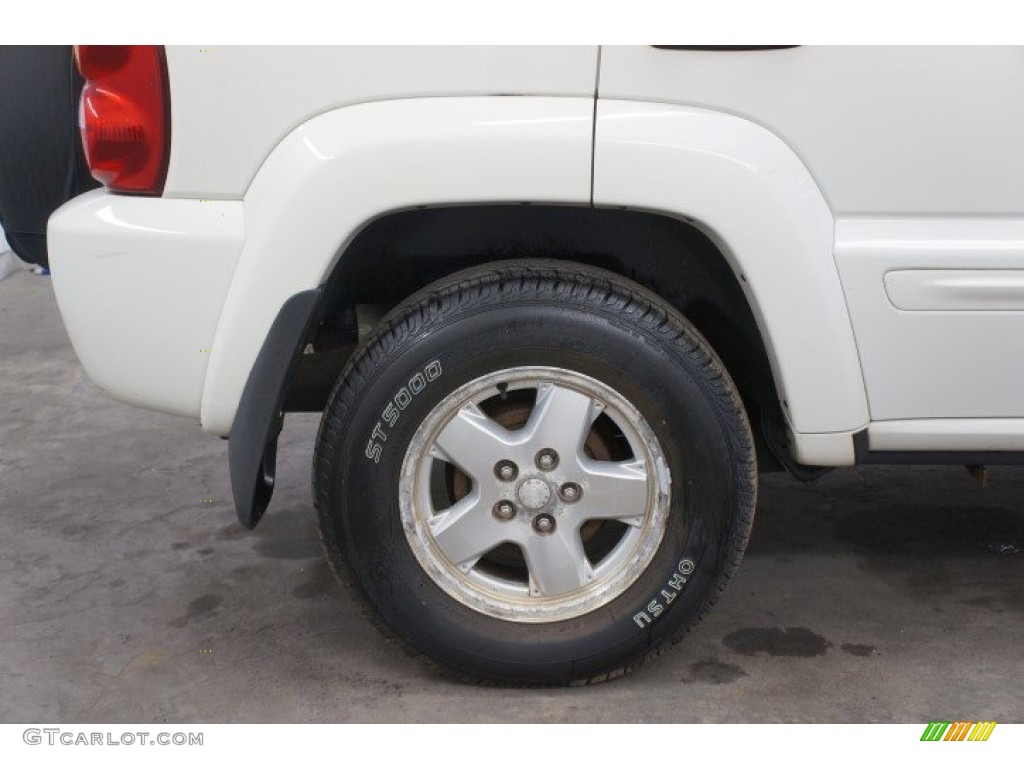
(401,400)
(667,596)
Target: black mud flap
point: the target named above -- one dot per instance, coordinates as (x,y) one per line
(252,446)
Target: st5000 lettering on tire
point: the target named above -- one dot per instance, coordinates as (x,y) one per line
(535,472)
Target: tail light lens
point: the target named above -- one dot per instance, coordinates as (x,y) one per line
(125,115)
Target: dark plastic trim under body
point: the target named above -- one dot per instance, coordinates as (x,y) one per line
(864,455)
(252,445)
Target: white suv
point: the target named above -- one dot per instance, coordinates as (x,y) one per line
(556,304)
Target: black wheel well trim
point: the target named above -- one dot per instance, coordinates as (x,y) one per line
(643,246)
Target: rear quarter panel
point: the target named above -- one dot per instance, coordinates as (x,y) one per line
(231,105)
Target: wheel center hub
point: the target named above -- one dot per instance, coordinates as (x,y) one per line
(534,493)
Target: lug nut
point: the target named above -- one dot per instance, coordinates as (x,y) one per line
(544,524)
(570,492)
(504,510)
(546,459)
(506,470)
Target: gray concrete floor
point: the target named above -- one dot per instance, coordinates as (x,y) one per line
(128,593)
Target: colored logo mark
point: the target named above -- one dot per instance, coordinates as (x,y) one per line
(958,731)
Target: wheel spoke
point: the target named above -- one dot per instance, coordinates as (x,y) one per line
(534,479)
(561,419)
(557,562)
(472,441)
(466,531)
(612,490)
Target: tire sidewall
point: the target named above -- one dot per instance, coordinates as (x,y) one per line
(662,368)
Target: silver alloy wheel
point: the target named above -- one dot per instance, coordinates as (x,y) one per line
(581,467)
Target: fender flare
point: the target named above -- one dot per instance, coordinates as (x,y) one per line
(355,164)
(756,199)
(341,170)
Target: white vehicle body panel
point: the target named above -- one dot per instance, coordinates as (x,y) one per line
(754,197)
(916,153)
(956,350)
(870,201)
(896,129)
(236,103)
(341,170)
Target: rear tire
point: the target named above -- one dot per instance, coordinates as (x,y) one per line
(627,506)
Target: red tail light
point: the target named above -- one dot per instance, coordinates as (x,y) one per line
(125,115)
